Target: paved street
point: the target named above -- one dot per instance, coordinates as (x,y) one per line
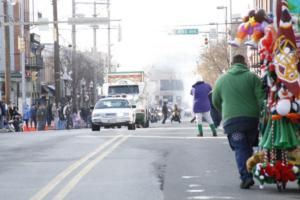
(162,162)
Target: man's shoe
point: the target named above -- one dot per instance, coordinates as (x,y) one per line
(246,184)
(200,135)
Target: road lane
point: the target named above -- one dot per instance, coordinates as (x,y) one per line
(162,163)
(71,184)
(60,177)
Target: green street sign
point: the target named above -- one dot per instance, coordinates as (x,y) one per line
(190,31)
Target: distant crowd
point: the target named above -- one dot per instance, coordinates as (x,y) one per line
(42,116)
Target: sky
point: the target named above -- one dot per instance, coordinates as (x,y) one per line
(145,27)
(145,40)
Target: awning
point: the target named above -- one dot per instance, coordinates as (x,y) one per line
(48,89)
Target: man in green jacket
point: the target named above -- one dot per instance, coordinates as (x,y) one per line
(238,95)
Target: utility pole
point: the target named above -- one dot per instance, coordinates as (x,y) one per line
(7,57)
(56,54)
(22,52)
(95,29)
(108,38)
(2,45)
(74,71)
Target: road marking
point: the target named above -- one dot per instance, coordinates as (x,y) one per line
(178,128)
(194,185)
(194,191)
(189,177)
(63,192)
(60,177)
(161,137)
(210,197)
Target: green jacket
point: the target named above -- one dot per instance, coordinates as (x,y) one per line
(238,93)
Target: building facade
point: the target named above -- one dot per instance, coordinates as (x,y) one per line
(165,86)
(10,55)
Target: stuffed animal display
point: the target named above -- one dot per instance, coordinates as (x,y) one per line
(280,124)
(253,25)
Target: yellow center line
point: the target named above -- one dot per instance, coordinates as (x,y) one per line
(42,193)
(64,192)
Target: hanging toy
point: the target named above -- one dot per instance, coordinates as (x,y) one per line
(286,58)
(284,103)
(253,25)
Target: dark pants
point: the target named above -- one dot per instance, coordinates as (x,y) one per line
(165,118)
(26,122)
(34,122)
(41,125)
(242,143)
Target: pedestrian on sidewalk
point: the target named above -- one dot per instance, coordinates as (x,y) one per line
(41,116)
(49,114)
(61,117)
(2,114)
(33,111)
(239,95)
(201,106)
(26,115)
(55,115)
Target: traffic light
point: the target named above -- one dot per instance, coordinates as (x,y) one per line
(206,41)
(34,76)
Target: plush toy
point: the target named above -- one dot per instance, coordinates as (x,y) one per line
(284,103)
(294,156)
(266,44)
(275,172)
(254,159)
(253,25)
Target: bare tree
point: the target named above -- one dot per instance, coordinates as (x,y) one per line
(214,60)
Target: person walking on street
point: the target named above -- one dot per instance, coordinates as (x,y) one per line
(26,115)
(176,114)
(239,95)
(201,106)
(165,112)
(41,116)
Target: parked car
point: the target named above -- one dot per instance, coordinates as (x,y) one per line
(113,112)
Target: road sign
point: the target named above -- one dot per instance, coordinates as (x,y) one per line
(213,33)
(190,31)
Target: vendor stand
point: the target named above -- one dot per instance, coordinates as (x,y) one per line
(276,39)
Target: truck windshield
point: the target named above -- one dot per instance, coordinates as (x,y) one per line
(123,89)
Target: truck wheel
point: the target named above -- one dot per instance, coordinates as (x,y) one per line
(95,127)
